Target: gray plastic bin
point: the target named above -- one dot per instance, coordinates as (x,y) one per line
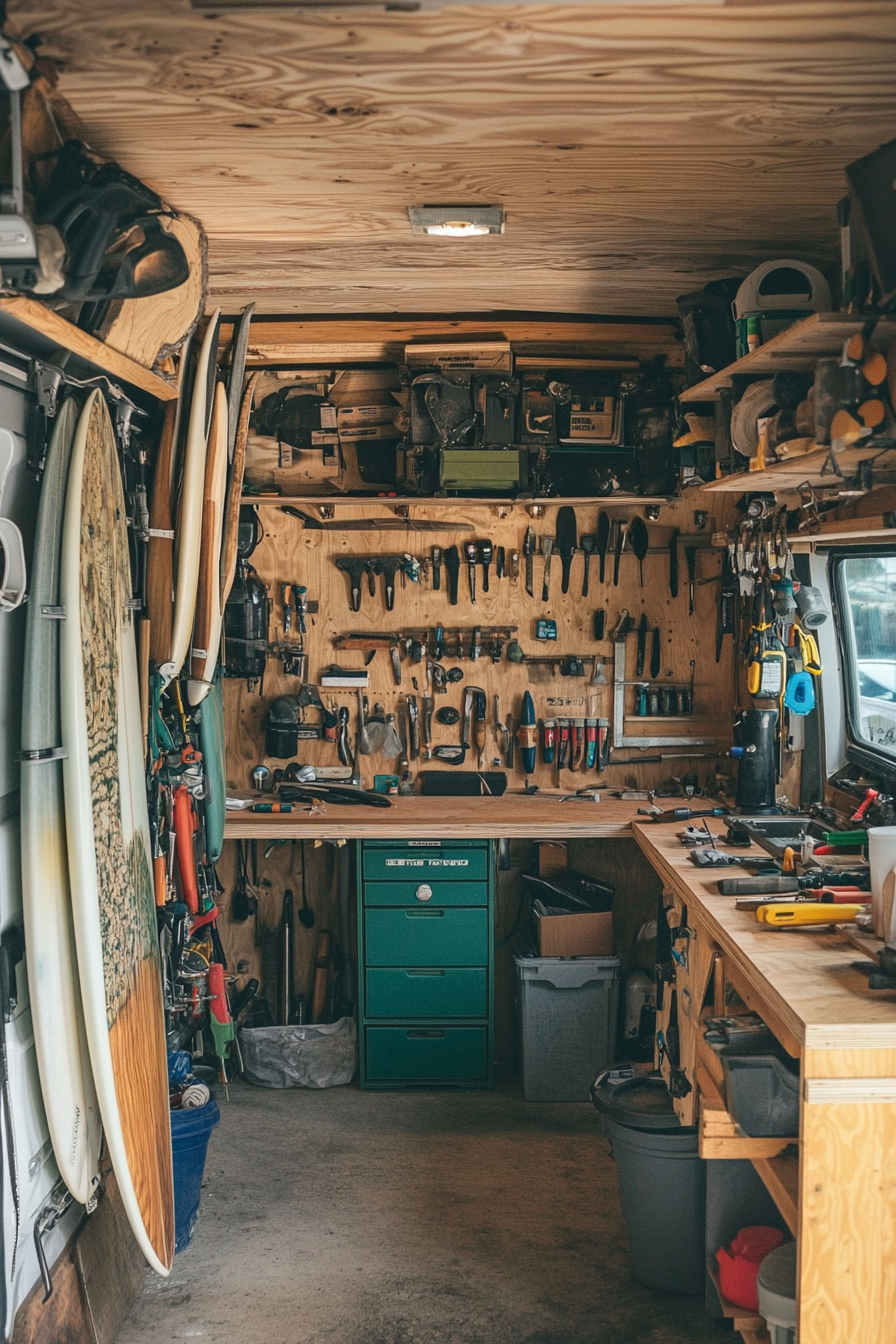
(567,1015)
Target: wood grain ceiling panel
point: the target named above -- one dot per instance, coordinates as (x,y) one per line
(638,151)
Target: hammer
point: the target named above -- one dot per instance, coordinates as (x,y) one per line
(354,567)
(389,566)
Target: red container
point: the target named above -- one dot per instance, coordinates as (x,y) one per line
(739,1264)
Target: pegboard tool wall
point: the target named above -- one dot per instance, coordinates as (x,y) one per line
(290,553)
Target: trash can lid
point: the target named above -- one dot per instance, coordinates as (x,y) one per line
(776,1286)
(642,1101)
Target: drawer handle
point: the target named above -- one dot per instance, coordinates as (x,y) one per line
(427,971)
(424,892)
(424,914)
(430,1035)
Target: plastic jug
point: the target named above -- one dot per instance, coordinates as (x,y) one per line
(739,1264)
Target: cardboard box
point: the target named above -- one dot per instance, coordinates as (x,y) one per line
(595,423)
(553,857)
(586,935)
(365,415)
(493,355)
(367,433)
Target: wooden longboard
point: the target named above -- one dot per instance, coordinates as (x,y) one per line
(113,905)
(209,614)
(189,515)
(234,491)
(63,1061)
(239,348)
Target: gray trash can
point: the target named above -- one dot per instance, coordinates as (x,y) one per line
(662,1182)
(567,1015)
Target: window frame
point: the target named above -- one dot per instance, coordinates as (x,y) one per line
(859,750)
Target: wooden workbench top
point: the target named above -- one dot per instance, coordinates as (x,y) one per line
(802,981)
(514,816)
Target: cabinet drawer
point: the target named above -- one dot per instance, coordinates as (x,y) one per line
(426,936)
(425,892)
(463,864)
(427,991)
(427,1054)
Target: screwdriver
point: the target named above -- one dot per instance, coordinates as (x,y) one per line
(479,724)
(471,551)
(690,555)
(681,813)
(485,555)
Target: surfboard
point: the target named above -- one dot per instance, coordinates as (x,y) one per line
(63,1062)
(234,491)
(189,515)
(239,348)
(113,905)
(160,549)
(211,744)
(209,615)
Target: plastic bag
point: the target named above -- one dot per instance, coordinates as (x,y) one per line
(319,1056)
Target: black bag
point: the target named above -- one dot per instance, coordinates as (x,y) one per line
(707,323)
(110,223)
(495,399)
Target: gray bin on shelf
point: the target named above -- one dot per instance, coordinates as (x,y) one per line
(567,1017)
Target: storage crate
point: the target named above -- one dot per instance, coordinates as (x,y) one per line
(567,1016)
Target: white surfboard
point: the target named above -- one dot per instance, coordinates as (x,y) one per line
(66,1079)
(188,538)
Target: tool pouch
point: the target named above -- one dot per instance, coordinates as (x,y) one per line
(495,399)
(281,731)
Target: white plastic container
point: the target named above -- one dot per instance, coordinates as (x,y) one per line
(882,858)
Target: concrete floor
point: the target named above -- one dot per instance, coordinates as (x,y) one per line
(349,1217)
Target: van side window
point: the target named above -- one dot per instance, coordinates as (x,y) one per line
(865,588)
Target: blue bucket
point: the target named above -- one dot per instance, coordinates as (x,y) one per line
(190,1133)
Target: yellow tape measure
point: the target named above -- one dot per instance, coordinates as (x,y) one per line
(782,915)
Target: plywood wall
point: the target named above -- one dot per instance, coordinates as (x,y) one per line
(290,553)
(639,150)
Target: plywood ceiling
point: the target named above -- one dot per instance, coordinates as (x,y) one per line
(639,150)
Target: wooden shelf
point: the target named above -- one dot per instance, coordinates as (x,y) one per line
(874,526)
(781,1177)
(49,325)
(618,500)
(798,348)
(811,467)
(743,1319)
(720,1137)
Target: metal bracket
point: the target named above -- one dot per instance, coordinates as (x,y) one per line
(326,510)
(56,1207)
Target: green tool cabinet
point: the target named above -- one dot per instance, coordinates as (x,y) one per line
(425,920)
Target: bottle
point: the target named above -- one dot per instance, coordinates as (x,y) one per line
(638,991)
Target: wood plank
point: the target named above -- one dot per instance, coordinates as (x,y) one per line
(847,1223)
(55,328)
(781,1177)
(813,468)
(572,117)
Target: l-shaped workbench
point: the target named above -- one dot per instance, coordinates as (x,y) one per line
(835,1182)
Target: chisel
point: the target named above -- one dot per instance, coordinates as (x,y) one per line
(673,563)
(642,644)
(690,555)
(529,553)
(621,528)
(452,565)
(601,542)
(547,550)
(655,653)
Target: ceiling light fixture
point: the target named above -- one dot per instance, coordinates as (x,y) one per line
(456,221)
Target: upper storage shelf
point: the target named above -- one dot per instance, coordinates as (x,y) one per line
(816,337)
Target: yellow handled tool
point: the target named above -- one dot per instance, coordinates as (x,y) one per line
(783,915)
